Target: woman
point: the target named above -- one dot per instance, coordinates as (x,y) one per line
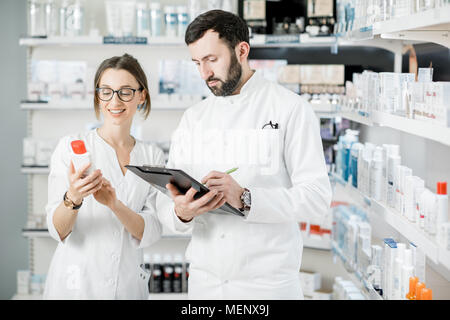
(103,219)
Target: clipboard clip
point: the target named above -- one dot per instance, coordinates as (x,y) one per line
(272,125)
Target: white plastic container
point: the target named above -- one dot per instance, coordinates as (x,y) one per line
(80,156)
(156,20)
(393,162)
(171,21)
(376,174)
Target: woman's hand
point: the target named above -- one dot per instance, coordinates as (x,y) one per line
(106,195)
(81,187)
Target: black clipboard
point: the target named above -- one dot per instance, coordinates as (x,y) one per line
(159,177)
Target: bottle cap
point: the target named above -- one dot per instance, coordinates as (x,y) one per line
(419,287)
(412,288)
(78,147)
(427,294)
(442,188)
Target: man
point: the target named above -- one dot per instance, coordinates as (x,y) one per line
(272,136)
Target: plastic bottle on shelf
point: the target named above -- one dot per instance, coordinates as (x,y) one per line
(376,174)
(156,19)
(431,214)
(441,209)
(411,295)
(406,273)
(156,279)
(354,154)
(142,20)
(170,18)
(393,162)
(183,20)
(177,273)
(167,278)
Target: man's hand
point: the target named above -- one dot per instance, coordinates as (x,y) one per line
(186,207)
(223,182)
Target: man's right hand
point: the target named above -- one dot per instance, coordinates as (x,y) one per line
(186,207)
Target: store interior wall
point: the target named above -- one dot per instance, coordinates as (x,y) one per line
(13,184)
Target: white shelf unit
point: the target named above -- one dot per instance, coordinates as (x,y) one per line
(87,105)
(366,288)
(418,128)
(391,218)
(432,25)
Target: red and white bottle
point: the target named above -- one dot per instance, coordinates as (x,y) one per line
(80,156)
(441,210)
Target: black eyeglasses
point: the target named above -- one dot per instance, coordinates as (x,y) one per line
(124,94)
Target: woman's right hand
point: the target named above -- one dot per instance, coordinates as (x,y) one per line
(81,187)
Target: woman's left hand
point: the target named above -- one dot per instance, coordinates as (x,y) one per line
(106,195)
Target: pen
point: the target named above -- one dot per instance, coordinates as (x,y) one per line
(231,170)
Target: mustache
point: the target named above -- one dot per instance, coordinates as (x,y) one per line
(213,79)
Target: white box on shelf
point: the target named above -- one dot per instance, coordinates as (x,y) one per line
(310,282)
(23,281)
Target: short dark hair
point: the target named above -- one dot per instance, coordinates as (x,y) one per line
(230,27)
(130,64)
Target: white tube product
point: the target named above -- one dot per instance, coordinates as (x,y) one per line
(391,150)
(397,187)
(419,187)
(127,15)
(376,174)
(80,156)
(397,276)
(393,162)
(367,159)
(404,172)
(389,252)
(423,208)
(431,214)
(407,272)
(441,207)
(410,184)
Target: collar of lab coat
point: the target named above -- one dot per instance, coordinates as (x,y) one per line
(247,88)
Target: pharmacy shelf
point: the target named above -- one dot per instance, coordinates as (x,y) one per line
(43,233)
(432,25)
(168,296)
(357,117)
(87,105)
(419,128)
(35,170)
(316,244)
(27,297)
(381,212)
(366,288)
(95,41)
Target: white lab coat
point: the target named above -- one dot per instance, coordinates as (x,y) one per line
(100,259)
(258,257)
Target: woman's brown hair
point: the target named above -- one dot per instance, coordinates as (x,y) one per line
(130,64)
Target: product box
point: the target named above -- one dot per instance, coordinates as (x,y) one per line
(23,281)
(310,282)
(389,254)
(318,295)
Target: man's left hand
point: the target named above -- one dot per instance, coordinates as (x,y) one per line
(223,182)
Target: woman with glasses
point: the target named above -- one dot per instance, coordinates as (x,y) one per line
(103,215)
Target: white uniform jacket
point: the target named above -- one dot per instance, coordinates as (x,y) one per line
(100,259)
(283,166)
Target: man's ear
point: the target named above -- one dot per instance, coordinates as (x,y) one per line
(242,51)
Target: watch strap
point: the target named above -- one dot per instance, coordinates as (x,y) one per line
(74,207)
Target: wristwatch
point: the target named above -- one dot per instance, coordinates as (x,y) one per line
(69,203)
(246,200)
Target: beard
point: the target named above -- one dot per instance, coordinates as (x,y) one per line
(226,88)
